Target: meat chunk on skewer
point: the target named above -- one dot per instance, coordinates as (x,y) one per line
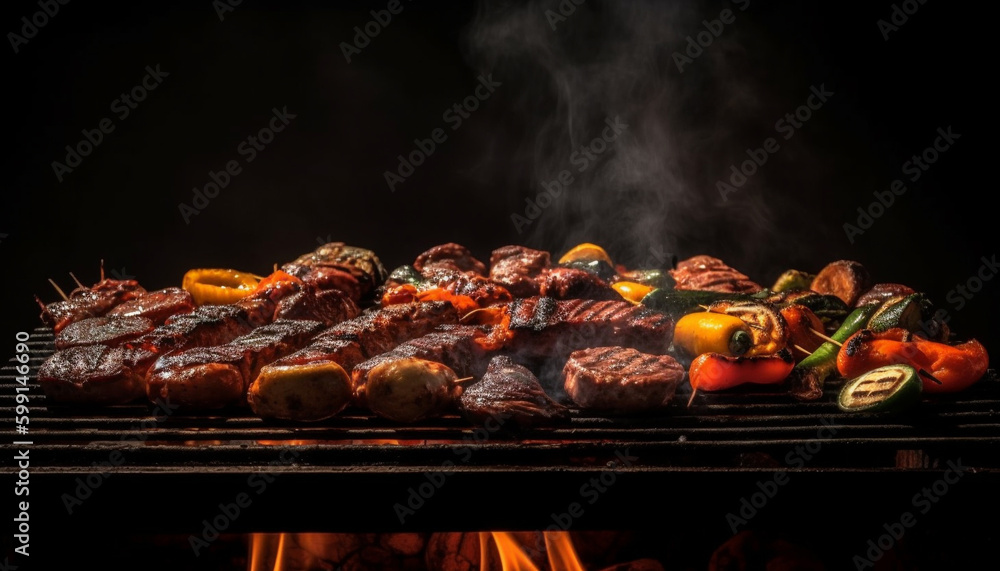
(113,331)
(94,301)
(616,379)
(511,393)
(91,375)
(157,306)
(451,256)
(574,283)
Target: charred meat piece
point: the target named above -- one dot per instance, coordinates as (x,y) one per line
(545,327)
(314,383)
(449,256)
(455,347)
(328,306)
(879,293)
(214,377)
(711,274)
(325,278)
(94,301)
(483,291)
(574,283)
(511,395)
(363,264)
(157,306)
(91,375)
(616,379)
(107,330)
(518,269)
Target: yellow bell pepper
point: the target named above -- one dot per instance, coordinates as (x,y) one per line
(709,332)
(632,291)
(218,286)
(586,252)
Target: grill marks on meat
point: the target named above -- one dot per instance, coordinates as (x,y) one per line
(157,306)
(711,274)
(547,327)
(214,377)
(450,256)
(107,330)
(518,269)
(511,395)
(454,346)
(617,379)
(328,306)
(94,301)
(91,375)
(574,283)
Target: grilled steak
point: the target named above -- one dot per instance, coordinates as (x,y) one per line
(91,375)
(545,327)
(711,274)
(511,395)
(616,379)
(451,256)
(518,269)
(156,306)
(107,330)
(213,377)
(573,283)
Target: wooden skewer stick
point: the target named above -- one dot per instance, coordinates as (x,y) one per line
(59,289)
(694,391)
(929,376)
(102,269)
(464,379)
(464,317)
(77,281)
(825,338)
(807,352)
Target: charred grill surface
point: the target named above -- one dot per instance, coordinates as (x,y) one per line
(511,395)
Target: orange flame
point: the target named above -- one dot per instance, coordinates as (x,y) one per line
(261,550)
(558,547)
(562,555)
(512,557)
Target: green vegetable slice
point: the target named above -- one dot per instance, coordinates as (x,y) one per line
(886,389)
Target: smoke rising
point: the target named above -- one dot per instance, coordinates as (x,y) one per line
(653,190)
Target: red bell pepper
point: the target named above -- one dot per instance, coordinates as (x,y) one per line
(956,367)
(716,372)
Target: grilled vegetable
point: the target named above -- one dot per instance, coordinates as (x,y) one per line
(891,388)
(632,291)
(904,311)
(944,368)
(828,308)
(652,278)
(770,333)
(716,372)
(586,252)
(405,275)
(411,389)
(314,392)
(879,293)
(844,278)
(599,268)
(802,327)
(218,286)
(809,375)
(709,332)
(677,303)
(793,280)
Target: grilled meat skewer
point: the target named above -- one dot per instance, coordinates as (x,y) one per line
(128,320)
(94,301)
